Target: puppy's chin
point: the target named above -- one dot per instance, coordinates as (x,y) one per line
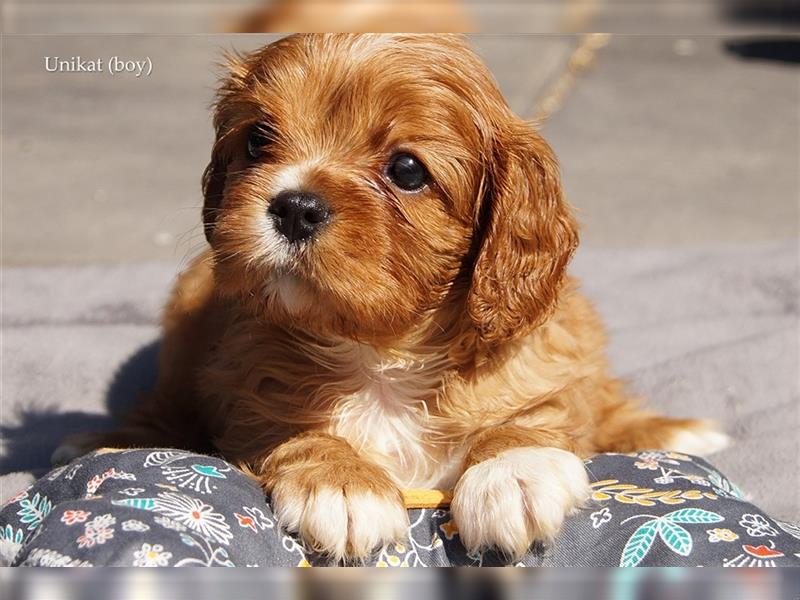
(290,294)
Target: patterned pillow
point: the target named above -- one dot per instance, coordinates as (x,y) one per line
(172,508)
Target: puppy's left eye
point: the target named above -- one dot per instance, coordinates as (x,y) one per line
(259,137)
(407,172)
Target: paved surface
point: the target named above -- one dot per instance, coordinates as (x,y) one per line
(107,169)
(675,141)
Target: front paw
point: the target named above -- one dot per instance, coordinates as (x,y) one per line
(518,497)
(344,511)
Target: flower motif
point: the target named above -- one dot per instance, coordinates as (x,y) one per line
(97,531)
(757,525)
(96,481)
(194,514)
(449,528)
(600,517)
(131,491)
(648,462)
(102,521)
(70,517)
(134,525)
(721,535)
(698,480)
(168,523)
(678,456)
(257,517)
(665,480)
(245,521)
(92,536)
(151,556)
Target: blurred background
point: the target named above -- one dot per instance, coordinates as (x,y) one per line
(677,130)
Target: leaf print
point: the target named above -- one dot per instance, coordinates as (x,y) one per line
(693,515)
(34,510)
(11,535)
(676,537)
(140,503)
(639,544)
(631,494)
(43,557)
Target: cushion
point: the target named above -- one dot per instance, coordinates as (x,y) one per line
(165,507)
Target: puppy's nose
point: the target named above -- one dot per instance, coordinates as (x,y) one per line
(298,215)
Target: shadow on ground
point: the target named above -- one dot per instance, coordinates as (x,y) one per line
(38,431)
(782,49)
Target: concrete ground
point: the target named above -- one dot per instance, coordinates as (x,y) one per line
(107,169)
(668,139)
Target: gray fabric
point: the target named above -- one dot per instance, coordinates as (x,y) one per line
(161,507)
(703,332)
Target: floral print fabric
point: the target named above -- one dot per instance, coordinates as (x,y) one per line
(164,508)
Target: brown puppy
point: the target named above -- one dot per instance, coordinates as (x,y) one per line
(384,303)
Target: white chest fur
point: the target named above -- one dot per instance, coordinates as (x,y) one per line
(387,419)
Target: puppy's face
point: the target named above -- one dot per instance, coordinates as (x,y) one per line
(360,184)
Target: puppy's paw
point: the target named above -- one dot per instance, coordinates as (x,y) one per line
(340,511)
(700,438)
(518,497)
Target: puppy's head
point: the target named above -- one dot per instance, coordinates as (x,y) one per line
(362,184)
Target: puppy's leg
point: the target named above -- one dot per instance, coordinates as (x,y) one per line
(517,487)
(341,504)
(623,427)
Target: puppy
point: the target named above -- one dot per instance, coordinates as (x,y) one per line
(384,304)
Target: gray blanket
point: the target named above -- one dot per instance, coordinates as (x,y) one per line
(703,332)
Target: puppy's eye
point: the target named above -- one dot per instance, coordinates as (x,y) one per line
(407,172)
(259,137)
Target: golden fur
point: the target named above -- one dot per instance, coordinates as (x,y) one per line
(423,337)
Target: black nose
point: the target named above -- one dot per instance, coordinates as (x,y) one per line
(298,215)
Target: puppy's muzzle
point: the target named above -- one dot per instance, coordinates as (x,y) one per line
(299,215)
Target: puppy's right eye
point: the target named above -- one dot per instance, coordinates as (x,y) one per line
(260,136)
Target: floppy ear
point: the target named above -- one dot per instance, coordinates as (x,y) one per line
(529,236)
(213,187)
(228,95)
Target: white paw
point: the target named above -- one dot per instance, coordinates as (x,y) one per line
(701,440)
(520,496)
(343,524)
